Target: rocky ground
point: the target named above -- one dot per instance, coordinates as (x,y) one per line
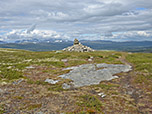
(33,94)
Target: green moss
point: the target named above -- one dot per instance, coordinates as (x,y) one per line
(58,64)
(33,106)
(106,86)
(29,81)
(100,56)
(143,79)
(55,87)
(84,56)
(143,66)
(59,72)
(2,111)
(61,55)
(90,102)
(113,56)
(10,74)
(40,82)
(21,66)
(76,62)
(89,111)
(18,97)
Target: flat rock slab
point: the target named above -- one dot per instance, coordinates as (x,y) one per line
(91,74)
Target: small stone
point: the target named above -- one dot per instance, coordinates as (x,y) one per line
(102,95)
(64,60)
(90,60)
(39,113)
(91,57)
(4,83)
(76,41)
(18,81)
(30,67)
(85,49)
(58,52)
(51,81)
(66,86)
(130,92)
(62,76)
(9,67)
(1,91)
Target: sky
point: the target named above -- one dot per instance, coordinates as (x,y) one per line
(116,20)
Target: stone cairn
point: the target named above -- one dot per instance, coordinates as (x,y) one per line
(78,47)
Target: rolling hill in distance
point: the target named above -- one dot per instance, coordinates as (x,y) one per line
(131,46)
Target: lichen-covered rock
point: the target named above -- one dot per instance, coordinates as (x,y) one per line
(92,74)
(78,47)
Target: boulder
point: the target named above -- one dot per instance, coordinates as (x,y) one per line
(76,41)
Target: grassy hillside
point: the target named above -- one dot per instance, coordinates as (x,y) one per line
(22,86)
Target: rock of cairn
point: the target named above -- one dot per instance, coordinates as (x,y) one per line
(78,47)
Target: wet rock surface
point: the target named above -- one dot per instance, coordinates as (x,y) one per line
(91,74)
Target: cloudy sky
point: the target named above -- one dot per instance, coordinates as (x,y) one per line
(117,20)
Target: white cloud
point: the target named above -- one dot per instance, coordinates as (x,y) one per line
(73,18)
(143,33)
(132,36)
(41,35)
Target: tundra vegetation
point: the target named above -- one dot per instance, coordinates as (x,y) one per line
(23,88)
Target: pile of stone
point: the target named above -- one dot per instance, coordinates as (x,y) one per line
(78,47)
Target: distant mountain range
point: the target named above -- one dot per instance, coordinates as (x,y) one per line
(59,44)
(35,40)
